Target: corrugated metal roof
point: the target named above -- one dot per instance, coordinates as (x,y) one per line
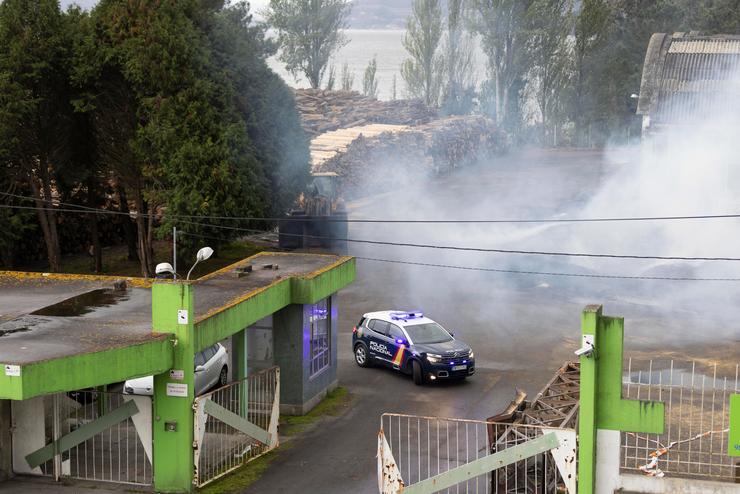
(704,45)
(692,78)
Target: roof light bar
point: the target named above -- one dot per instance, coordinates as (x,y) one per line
(405,316)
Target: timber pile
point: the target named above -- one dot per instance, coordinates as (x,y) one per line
(323,111)
(405,154)
(330,144)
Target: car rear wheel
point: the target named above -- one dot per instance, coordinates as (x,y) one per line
(361,356)
(417,372)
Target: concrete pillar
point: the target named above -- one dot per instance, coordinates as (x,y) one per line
(607,461)
(288,349)
(239,360)
(172,428)
(239,367)
(587,406)
(299,390)
(28,432)
(6,453)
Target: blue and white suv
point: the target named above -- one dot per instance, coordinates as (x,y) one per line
(412,343)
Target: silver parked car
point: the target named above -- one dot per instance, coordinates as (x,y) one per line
(211,370)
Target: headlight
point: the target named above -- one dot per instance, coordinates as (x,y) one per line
(472,354)
(128,390)
(434,359)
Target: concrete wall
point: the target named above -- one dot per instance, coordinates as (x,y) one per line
(6,452)
(299,391)
(609,479)
(287,341)
(316,387)
(630,483)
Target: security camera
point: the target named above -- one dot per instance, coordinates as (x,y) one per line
(587,346)
(164,270)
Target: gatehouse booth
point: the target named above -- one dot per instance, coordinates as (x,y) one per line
(146,382)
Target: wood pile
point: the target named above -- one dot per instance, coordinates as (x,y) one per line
(329,144)
(391,157)
(323,111)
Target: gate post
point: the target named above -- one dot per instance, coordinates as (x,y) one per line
(601,402)
(240,369)
(6,453)
(172,427)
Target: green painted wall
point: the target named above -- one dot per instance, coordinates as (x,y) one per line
(173,449)
(154,357)
(590,319)
(733,446)
(260,304)
(88,370)
(601,404)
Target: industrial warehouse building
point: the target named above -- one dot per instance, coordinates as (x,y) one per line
(69,341)
(689,78)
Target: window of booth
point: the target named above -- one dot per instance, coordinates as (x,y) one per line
(320,321)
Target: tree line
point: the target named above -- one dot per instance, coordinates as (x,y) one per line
(558,72)
(158,112)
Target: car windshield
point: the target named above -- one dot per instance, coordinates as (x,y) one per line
(424,334)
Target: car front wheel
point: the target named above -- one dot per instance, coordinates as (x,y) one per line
(361,356)
(417,372)
(223,377)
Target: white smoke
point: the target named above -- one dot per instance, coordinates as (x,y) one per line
(686,170)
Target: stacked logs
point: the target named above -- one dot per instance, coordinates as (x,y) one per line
(323,111)
(392,158)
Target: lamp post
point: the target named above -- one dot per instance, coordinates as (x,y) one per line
(202,255)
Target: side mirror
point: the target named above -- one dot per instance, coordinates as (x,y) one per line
(451,333)
(200,368)
(401,341)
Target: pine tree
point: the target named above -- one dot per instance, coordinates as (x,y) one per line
(34,106)
(423,72)
(369,82)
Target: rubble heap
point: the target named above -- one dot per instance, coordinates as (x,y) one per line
(323,111)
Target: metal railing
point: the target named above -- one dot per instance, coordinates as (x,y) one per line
(221,447)
(115,455)
(695,439)
(425,447)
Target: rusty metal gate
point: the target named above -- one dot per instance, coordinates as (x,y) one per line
(432,454)
(236,424)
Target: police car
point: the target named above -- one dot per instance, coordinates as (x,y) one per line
(413,344)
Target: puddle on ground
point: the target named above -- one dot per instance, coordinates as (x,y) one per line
(84,303)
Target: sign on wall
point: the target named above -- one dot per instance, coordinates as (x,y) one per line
(177,389)
(733,448)
(13,370)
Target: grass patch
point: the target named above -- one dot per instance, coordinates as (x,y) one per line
(241,478)
(334,404)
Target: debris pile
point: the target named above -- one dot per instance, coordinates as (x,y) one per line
(323,111)
(389,158)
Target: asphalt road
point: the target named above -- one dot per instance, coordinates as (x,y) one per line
(522,327)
